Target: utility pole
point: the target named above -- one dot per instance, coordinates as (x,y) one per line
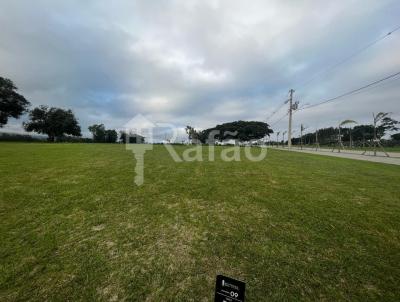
(292,107)
(277,139)
(291,91)
(316,140)
(351,139)
(375,138)
(283,138)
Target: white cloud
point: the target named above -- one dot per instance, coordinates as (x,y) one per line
(198,62)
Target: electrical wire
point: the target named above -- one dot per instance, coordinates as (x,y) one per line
(276,110)
(348,58)
(281,118)
(351,91)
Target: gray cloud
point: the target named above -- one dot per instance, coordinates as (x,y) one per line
(199,62)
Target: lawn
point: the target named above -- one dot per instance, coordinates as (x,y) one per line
(293,227)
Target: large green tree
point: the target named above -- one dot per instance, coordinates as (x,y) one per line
(101,135)
(111,136)
(55,122)
(98,132)
(241,130)
(12,104)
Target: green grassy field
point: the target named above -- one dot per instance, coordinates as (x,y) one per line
(293,227)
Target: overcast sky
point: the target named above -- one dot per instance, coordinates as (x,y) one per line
(200,62)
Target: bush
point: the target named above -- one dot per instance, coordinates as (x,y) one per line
(15,137)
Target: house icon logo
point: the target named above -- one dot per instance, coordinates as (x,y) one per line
(137,131)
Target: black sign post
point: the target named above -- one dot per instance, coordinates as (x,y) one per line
(229,290)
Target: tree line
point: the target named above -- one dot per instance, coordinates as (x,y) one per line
(61,125)
(57,123)
(102,135)
(52,121)
(359,135)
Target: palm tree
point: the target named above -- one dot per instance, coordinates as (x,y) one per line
(378,118)
(340,143)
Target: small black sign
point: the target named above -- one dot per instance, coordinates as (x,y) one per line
(229,290)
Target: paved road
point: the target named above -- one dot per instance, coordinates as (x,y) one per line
(394,158)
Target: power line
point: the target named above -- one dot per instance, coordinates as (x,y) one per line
(276,110)
(351,92)
(273,113)
(349,57)
(281,118)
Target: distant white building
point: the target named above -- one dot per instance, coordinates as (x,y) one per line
(227,142)
(137,129)
(133,138)
(233,142)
